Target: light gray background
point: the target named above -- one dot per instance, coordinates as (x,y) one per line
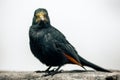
(92,26)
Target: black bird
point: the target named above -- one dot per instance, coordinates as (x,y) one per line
(51,47)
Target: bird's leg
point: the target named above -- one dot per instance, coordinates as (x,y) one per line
(53,72)
(47,70)
(84,68)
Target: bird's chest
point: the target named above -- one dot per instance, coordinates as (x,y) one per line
(43,47)
(37,36)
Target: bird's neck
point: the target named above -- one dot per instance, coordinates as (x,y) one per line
(41,25)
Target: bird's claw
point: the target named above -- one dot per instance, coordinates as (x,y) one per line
(52,73)
(39,71)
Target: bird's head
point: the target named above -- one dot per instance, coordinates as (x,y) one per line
(41,16)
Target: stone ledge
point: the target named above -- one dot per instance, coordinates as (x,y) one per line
(65,75)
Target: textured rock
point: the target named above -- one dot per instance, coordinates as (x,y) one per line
(65,75)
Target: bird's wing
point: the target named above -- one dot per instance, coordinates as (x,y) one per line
(62,44)
(69,52)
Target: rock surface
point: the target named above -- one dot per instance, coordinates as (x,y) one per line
(65,75)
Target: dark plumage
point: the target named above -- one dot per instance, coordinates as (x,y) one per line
(50,46)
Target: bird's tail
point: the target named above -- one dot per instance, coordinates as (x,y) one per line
(89,64)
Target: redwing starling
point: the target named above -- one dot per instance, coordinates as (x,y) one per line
(51,47)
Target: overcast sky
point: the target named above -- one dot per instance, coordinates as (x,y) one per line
(91,26)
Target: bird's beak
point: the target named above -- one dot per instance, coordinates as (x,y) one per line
(40,17)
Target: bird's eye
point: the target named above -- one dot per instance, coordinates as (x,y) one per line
(37,15)
(44,14)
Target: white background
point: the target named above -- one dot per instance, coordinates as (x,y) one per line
(92,26)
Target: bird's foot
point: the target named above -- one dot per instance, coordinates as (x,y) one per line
(39,71)
(52,73)
(46,71)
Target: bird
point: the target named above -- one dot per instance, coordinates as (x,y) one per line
(51,47)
